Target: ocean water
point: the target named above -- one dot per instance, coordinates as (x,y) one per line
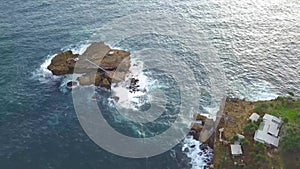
(245,49)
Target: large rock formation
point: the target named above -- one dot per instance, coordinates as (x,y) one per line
(100,65)
(202,129)
(63,63)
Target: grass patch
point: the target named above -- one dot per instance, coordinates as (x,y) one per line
(288,109)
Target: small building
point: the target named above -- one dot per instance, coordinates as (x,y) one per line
(236,149)
(254,117)
(268,132)
(272,118)
(266,138)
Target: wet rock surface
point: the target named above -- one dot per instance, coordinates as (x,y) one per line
(72,84)
(134,87)
(100,65)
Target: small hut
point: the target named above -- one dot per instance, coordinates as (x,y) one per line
(236,149)
(254,117)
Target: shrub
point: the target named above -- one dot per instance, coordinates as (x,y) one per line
(285,120)
(259,120)
(260,147)
(235,138)
(291,142)
(261,157)
(261,108)
(253,155)
(245,143)
(250,128)
(291,93)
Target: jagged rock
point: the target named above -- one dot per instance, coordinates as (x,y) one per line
(96,50)
(61,64)
(117,76)
(105,83)
(93,78)
(116,98)
(199,117)
(86,80)
(134,81)
(116,61)
(71,84)
(134,87)
(197,127)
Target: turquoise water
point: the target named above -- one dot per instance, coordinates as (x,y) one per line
(257,44)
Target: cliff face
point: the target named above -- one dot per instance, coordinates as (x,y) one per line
(100,65)
(202,129)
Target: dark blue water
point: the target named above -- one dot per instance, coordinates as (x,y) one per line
(38,125)
(258,44)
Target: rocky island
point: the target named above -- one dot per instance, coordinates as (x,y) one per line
(100,65)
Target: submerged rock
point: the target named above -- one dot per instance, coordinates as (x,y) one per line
(134,87)
(72,84)
(100,65)
(116,98)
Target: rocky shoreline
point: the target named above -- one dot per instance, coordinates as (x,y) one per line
(100,65)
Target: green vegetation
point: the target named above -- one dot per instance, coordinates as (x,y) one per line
(288,109)
(285,120)
(261,108)
(291,142)
(235,138)
(250,128)
(258,158)
(245,143)
(259,155)
(260,147)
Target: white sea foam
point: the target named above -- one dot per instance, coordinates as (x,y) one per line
(262,90)
(78,49)
(258,90)
(132,100)
(127,99)
(44,75)
(199,158)
(68,78)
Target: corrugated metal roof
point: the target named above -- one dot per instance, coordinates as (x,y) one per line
(272,118)
(266,138)
(271,124)
(268,130)
(272,128)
